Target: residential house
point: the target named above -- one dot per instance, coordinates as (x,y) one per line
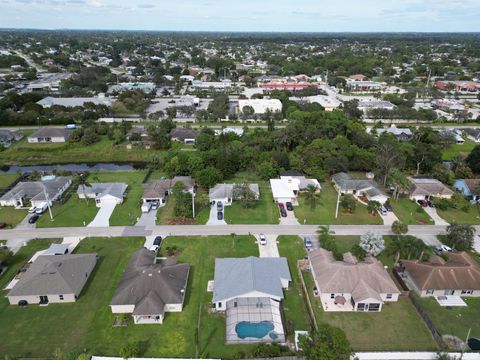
(251,290)
(224,193)
(34,192)
(50,135)
(458,275)
(260,106)
(159,190)
(472,134)
(287,188)
(350,285)
(148,290)
(425,188)
(74,101)
(470,188)
(103,193)
(346,184)
(402,134)
(53,279)
(184,135)
(8,137)
(365,105)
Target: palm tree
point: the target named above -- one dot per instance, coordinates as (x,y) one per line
(311,196)
(373,206)
(400,181)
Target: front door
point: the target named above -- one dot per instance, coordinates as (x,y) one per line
(43,300)
(449,292)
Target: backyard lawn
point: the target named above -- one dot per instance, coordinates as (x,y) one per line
(23,153)
(324,212)
(264,212)
(294,305)
(12,216)
(87,324)
(454,150)
(455,321)
(409,212)
(6,180)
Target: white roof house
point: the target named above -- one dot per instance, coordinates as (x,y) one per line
(74,101)
(284,190)
(225,192)
(375,104)
(103,192)
(260,106)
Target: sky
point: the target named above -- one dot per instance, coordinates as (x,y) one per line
(245,15)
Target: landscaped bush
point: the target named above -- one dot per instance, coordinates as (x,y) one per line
(442,204)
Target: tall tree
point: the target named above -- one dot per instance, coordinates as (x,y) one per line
(326,343)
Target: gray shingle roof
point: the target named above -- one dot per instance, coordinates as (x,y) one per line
(51,132)
(239,276)
(33,190)
(55,274)
(226,191)
(151,286)
(74,101)
(100,189)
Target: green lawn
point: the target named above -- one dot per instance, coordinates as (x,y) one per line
(324,212)
(12,216)
(23,153)
(459,216)
(454,150)
(294,305)
(455,321)
(127,212)
(409,212)
(396,327)
(6,180)
(74,212)
(264,212)
(165,214)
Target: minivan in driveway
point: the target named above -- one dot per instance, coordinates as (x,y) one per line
(263,239)
(219,215)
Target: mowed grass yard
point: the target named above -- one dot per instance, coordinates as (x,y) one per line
(455,321)
(454,150)
(23,153)
(409,212)
(6,180)
(264,212)
(87,324)
(465,213)
(324,212)
(12,216)
(80,212)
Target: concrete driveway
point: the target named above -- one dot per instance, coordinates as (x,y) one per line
(24,223)
(389,218)
(103,216)
(269,250)
(289,220)
(212,220)
(432,212)
(148,219)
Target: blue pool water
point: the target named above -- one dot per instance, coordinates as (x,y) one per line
(257,330)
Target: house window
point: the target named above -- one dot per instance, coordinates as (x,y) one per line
(360,307)
(332,296)
(389,296)
(467,292)
(449,292)
(430,292)
(60,297)
(373,307)
(219,305)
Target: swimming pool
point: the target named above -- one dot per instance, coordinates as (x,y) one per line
(259,330)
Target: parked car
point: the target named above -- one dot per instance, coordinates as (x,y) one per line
(383,211)
(315,291)
(422,203)
(289,206)
(444,248)
(430,204)
(283,212)
(263,239)
(146,207)
(3,225)
(219,206)
(157,241)
(154,248)
(155,205)
(308,243)
(220,215)
(281,205)
(31,209)
(388,207)
(33,219)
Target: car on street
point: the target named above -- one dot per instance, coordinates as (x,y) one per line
(283,212)
(33,219)
(422,203)
(388,207)
(219,215)
(219,206)
(263,239)
(289,206)
(308,243)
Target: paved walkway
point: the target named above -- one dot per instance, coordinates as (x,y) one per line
(24,223)
(432,212)
(289,220)
(269,250)
(103,215)
(389,218)
(148,219)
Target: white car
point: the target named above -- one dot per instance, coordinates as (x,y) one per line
(263,239)
(444,248)
(32,209)
(154,248)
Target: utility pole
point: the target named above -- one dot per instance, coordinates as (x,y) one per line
(48,201)
(193,203)
(465,344)
(338,204)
